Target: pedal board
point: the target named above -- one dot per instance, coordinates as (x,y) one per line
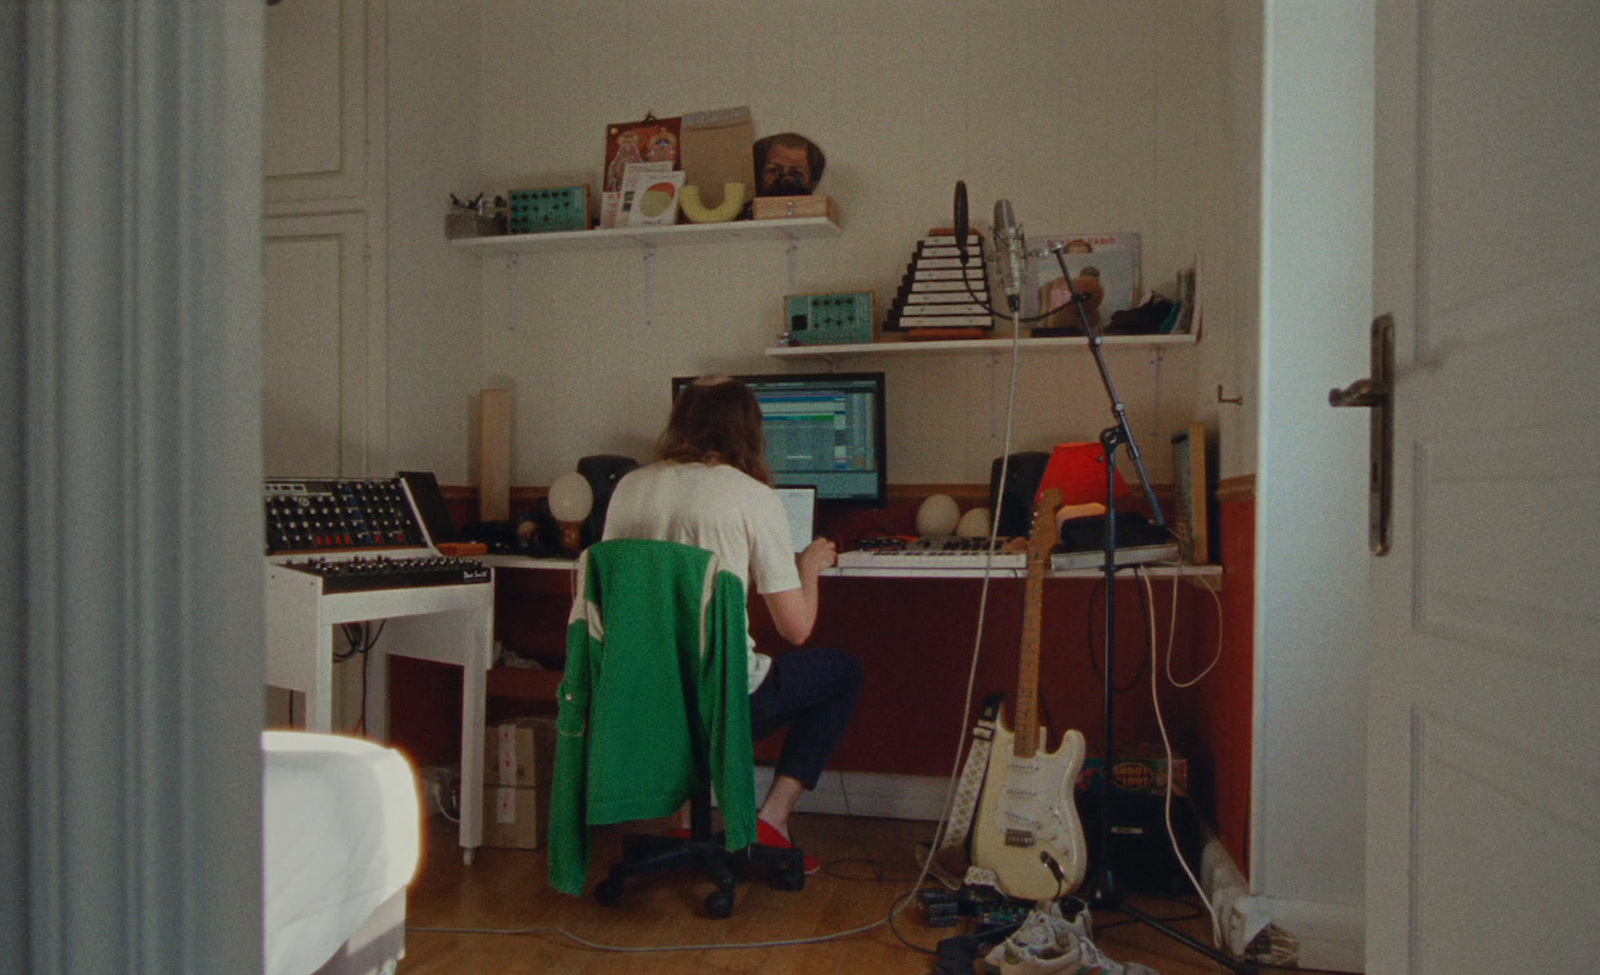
(986,906)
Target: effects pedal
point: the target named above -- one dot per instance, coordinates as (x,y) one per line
(986,906)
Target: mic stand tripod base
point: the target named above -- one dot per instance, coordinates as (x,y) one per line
(1100,888)
(1100,892)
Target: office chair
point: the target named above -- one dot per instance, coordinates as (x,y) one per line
(655,710)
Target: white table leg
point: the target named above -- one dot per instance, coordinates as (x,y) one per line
(474,689)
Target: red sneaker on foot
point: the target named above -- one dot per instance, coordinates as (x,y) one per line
(768,835)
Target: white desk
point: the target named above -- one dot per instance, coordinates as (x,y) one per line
(451,624)
(928,568)
(527,562)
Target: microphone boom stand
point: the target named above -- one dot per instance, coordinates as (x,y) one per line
(1102,890)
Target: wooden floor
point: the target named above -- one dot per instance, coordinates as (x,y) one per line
(868,864)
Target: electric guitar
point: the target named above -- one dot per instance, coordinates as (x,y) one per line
(1028,831)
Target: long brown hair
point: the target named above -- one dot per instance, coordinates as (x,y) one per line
(716,420)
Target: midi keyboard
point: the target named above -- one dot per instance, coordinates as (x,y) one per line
(366,573)
(931,559)
(936,560)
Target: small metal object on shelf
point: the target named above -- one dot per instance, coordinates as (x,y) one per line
(475,218)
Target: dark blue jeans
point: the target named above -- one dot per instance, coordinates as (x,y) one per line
(811,691)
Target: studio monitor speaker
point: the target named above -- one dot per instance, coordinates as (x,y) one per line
(1013,501)
(602,471)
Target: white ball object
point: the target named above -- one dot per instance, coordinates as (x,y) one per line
(974,524)
(937,515)
(571,498)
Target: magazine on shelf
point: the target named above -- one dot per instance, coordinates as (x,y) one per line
(1105,266)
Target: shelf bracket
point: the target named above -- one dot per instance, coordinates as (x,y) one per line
(997,396)
(649,286)
(513,302)
(793,254)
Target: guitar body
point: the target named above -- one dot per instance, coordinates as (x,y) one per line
(1027,807)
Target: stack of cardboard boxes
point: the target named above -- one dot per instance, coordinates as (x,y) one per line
(518,758)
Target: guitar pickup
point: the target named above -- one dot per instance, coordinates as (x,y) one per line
(1019,837)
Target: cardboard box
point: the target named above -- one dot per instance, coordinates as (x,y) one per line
(519,753)
(514,818)
(1136,776)
(786,207)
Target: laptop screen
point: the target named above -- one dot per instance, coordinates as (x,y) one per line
(801,504)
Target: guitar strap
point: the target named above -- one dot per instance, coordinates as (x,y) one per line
(949,861)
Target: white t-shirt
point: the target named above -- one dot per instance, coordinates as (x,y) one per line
(716,507)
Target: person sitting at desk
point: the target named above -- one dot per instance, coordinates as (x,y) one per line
(710,487)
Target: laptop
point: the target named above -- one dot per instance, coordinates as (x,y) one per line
(801,504)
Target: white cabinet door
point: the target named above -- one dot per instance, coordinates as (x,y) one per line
(322,372)
(320,97)
(325,357)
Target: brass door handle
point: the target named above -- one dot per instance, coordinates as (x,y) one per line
(1377,392)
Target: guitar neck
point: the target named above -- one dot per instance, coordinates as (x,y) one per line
(1026,743)
(1042,537)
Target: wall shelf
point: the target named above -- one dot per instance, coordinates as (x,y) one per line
(962,346)
(794,228)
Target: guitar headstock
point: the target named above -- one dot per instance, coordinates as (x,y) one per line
(1045,533)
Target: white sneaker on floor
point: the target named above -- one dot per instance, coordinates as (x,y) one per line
(1038,928)
(1049,944)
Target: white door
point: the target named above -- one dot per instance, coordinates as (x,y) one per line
(1483,850)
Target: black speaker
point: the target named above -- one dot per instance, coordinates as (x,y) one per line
(1013,507)
(1142,856)
(602,471)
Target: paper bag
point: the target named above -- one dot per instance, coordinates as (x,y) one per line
(717,150)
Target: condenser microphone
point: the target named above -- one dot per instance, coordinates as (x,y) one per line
(963,225)
(1013,254)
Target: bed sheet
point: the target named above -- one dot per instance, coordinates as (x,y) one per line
(341,834)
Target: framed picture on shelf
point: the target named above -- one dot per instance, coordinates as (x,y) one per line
(649,140)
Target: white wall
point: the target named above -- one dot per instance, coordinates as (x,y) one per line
(434,313)
(1088,116)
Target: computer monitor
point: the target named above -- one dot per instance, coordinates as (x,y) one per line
(824,430)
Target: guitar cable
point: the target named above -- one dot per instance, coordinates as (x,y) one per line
(977,640)
(1166,741)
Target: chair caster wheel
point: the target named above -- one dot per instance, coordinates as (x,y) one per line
(789,878)
(608,891)
(719,904)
